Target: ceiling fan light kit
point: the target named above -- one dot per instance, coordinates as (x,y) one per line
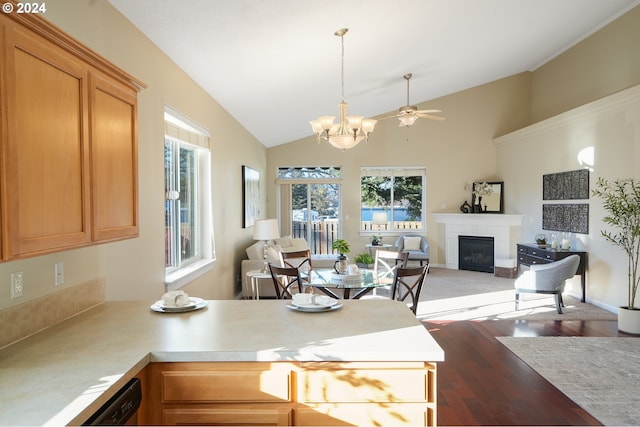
(350,130)
(410,113)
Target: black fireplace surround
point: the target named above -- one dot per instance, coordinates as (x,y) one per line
(475,253)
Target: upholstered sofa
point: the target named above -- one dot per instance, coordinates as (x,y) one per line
(255,261)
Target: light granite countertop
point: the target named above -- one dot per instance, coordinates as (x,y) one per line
(65,373)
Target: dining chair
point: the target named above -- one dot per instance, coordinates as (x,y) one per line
(407,284)
(386,263)
(300,260)
(384,266)
(285,279)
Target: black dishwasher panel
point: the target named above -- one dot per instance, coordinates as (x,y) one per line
(121,409)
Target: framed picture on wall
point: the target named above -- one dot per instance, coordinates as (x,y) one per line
(250,196)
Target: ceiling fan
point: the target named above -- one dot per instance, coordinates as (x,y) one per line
(410,113)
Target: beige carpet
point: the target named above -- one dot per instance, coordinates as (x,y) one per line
(602,375)
(469,295)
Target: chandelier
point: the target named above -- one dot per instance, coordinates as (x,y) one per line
(349,130)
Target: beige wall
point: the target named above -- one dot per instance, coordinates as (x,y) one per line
(456,151)
(134,269)
(611,127)
(573,92)
(459,150)
(604,63)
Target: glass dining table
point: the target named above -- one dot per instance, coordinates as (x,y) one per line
(327,281)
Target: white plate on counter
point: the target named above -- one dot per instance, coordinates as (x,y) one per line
(195,304)
(314,308)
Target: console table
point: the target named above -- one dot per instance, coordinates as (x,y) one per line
(530,253)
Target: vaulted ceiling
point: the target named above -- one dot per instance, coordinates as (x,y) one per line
(275,64)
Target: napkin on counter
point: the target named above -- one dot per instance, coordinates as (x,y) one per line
(306,299)
(324,300)
(176,299)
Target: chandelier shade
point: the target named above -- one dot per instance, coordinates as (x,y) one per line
(349,130)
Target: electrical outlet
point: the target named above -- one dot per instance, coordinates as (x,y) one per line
(17,284)
(58,271)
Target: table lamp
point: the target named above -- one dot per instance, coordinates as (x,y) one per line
(380,219)
(267,230)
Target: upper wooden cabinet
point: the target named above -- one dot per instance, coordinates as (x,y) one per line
(68,142)
(114,159)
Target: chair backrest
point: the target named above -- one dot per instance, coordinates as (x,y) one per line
(298,259)
(553,275)
(284,280)
(400,241)
(407,285)
(386,263)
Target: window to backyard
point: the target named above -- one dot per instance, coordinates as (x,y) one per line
(188,223)
(392,199)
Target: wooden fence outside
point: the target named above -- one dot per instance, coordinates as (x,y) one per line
(324,233)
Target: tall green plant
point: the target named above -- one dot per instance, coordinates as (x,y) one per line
(621,199)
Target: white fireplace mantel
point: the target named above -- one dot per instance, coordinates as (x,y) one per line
(504,228)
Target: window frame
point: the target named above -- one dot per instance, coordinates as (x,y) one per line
(183,133)
(394,172)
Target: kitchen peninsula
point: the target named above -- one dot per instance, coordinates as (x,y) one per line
(370,362)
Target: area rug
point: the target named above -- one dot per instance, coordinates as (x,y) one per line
(602,375)
(470,295)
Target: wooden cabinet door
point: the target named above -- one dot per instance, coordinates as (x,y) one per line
(114,158)
(45,156)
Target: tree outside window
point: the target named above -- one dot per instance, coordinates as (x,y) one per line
(397,193)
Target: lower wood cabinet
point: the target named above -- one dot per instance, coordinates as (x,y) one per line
(287,393)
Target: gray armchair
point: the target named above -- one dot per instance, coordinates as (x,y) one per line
(547,279)
(416,245)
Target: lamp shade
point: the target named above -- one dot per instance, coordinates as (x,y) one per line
(265,229)
(379,218)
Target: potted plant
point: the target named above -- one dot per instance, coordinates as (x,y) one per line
(364,260)
(342,246)
(621,199)
(376,240)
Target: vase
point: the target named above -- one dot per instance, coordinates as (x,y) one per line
(629,320)
(340,266)
(465,207)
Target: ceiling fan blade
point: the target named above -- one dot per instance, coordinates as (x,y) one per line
(428,111)
(390,117)
(429,116)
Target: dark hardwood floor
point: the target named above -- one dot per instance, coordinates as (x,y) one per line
(481,382)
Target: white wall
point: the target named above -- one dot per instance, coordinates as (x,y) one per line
(611,126)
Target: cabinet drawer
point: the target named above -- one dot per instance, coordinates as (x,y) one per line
(536,252)
(536,260)
(227,416)
(356,414)
(232,386)
(363,386)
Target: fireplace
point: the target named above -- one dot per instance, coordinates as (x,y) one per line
(475,253)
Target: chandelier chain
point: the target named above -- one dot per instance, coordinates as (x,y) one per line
(342,68)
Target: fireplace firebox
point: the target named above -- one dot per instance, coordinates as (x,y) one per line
(475,253)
